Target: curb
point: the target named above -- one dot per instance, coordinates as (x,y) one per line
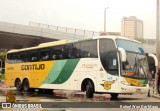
(82,96)
(101,98)
(156,96)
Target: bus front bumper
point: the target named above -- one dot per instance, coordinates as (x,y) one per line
(134,89)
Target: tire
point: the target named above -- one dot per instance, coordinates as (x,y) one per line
(41,90)
(18,85)
(26,85)
(149,93)
(46,91)
(89,89)
(31,89)
(114,96)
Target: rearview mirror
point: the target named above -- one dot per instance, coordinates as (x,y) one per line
(122,54)
(155,58)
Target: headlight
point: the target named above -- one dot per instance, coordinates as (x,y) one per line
(125,83)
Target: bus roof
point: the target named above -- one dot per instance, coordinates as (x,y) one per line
(60,42)
(116,37)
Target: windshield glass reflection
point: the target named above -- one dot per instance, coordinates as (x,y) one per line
(136,66)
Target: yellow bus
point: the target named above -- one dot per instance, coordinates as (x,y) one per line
(103,64)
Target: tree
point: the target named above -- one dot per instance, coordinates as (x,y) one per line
(141,40)
(3,56)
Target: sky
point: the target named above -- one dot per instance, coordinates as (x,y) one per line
(80,14)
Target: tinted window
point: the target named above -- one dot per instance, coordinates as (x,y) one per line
(68,51)
(21,57)
(33,56)
(45,54)
(130,45)
(83,49)
(108,56)
(9,56)
(57,52)
(72,51)
(88,49)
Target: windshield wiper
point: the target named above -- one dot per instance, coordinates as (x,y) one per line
(137,68)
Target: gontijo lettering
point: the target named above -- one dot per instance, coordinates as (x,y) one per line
(33,67)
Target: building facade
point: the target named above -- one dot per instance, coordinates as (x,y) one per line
(132,27)
(109,33)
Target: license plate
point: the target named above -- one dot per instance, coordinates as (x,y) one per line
(138,90)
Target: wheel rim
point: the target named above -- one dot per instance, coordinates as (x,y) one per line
(26,86)
(18,85)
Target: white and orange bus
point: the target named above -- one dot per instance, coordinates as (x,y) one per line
(104,64)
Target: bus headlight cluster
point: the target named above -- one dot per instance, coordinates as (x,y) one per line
(125,83)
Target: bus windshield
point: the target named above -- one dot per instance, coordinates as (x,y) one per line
(136,65)
(130,45)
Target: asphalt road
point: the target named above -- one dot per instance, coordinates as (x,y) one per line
(62,100)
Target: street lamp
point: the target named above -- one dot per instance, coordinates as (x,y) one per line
(157,30)
(105,18)
(157,39)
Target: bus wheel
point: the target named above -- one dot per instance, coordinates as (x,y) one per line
(114,96)
(48,91)
(26,85)
(89,89)
(41,90)
(18,85)
(31,90)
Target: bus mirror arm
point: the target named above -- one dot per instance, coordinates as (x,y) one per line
(122,53)
(154,57)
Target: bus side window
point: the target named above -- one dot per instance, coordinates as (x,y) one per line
(74,53)
(9,57)
(61,54)
(33,56)
(113,61)
(54,57)
(18,58)
(45,54)
(22,57)
(88,49)
(15,57)
(77,49)
(108,56)
(68,52)
(58,52)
